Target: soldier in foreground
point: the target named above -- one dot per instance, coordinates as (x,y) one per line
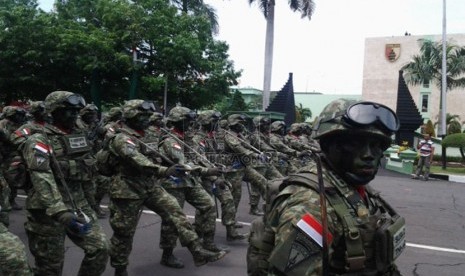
(57,160)
(349,229)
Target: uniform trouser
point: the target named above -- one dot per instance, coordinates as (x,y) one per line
(424,161)
(259,176)
(13,258)
(46,239)
(224,196)
(102,184)
(235,178)
(201,201)
(125,214)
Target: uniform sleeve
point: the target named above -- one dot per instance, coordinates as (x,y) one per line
(173,150)
(37,155)
(280,146)
(126,149)
(236,145)
(284,220)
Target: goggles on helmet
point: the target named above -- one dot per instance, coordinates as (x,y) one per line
(75,100)
(147,106)
(368,113)
(191,115)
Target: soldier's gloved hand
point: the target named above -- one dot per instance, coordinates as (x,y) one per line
(215,171)
(283,156)
(73,223)
(303,154)
(177,170)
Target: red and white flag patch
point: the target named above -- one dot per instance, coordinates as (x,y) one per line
(130,142)
(44,148)
(313,228)
(177,146)
(23,132)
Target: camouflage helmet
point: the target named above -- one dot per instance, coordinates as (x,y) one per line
(295,127)
(261,120)
(277,126)
(333,120)
(115,112)
(156,116)
(37,107)
(88,109)
(235,119)
(63,99)
(180,113)
(223,123)
(133,108)
(208,116)
(10,111)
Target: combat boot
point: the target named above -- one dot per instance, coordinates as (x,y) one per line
(202,256)
(255,211)
(209,244)
(233,235)
(169,260)
(15,206)
(121,271)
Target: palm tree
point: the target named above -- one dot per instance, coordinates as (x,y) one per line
(427,66)
(305,7)
(199,8)
(302,113)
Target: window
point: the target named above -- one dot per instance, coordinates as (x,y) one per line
(424,103)
(425,83)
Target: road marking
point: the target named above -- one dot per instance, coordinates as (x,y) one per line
(416,245)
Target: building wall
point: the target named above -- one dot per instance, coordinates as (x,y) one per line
(381,76)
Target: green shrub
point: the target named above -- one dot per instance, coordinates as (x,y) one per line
(454,127)
(456,140)
(429,128)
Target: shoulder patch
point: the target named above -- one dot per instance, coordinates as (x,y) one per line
(302,248)
(130,142)
(44,148)
(176,146)
(23,132)
(310,226)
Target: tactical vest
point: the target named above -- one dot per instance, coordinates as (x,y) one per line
(372,239)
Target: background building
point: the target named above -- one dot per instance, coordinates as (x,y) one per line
(385,56)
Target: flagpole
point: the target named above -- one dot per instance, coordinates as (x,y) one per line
(443,81)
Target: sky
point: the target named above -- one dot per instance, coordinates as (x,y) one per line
(325,54)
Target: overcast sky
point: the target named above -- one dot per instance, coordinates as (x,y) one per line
(326,53)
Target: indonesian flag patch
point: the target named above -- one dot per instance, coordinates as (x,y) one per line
(23,132)
(130,142)
(313,228)
(42,148)
(177,146)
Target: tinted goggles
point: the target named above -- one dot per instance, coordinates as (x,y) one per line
(147,106)
(191,115)
(368,113)
(75,100)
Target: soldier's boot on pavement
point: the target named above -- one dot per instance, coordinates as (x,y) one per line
(99,211)
(255,211)
(209,244)
(202,256)
(121,271)
(169,260)
(233,235)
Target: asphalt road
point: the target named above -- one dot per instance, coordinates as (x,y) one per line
(434,212)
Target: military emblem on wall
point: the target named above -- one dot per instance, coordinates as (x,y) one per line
(392,52)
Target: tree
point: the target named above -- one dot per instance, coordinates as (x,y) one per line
(302,113)
(427,66)
(305,7)
(199,8)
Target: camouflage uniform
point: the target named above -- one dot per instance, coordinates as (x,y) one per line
(260,140)
(234,168)
(89,123)
(135,185)
(52,212)
(12,168)
(203,142)
(186,188)
(13,258)
(277,142)
(365,235)
(295,140)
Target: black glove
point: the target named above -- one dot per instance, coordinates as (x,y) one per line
(177,170)
(215,171)
(74,224)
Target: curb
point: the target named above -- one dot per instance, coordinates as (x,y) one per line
(448,177)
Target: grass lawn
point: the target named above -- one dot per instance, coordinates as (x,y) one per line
(448,170)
